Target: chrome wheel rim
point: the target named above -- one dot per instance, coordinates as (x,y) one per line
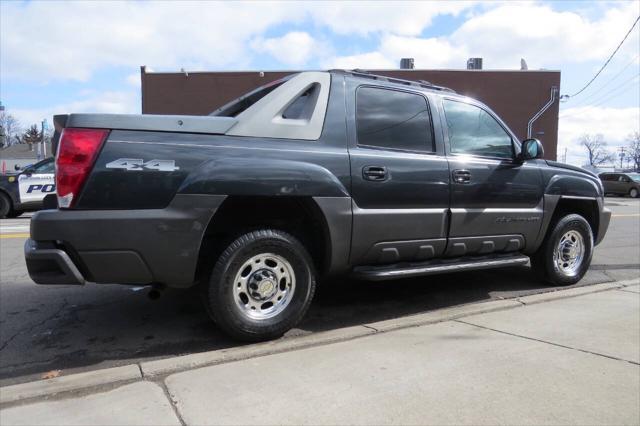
(633,193)
(264,286)
(569,253)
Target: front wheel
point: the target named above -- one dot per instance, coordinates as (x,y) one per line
(261,286)
(633,193)
(565,254)
(5,206)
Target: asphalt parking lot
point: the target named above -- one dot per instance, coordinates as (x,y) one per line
(78,328)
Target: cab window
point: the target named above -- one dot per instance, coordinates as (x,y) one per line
(392,119)
(474,131)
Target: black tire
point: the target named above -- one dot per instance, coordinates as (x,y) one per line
(5,206)
(14,213)
(633,193)
(544,262)
(221,293)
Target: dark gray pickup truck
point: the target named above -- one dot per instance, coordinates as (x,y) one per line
(315,175)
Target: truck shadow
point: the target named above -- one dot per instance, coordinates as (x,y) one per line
(112,325)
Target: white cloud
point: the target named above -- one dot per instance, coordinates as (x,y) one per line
(294,48)
(504,34)
(111,102)
(134,80)
(372,60)
(399,17)
(615,124)
(427,52)
(89,35)
(545,37)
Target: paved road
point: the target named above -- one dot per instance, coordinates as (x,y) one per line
(513,366)
(74,328)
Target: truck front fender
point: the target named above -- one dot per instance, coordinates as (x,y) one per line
(572,186)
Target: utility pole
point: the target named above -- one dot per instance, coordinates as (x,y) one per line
(564,157)
(622,152)
(44,145)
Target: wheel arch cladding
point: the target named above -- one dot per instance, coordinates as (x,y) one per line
(300,216)
(588,209)
(572,185)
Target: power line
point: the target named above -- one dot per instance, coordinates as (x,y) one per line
(611,80)
(610,95)
(608,60)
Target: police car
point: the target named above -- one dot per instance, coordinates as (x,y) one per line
(26,190)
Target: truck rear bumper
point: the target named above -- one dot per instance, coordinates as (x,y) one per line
(120,246)
(50,265)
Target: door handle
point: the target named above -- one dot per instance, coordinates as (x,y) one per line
(461,176)
(374,173)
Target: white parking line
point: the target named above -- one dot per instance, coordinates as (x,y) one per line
(14,228)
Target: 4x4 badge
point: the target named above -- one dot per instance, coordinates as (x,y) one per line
(138,164)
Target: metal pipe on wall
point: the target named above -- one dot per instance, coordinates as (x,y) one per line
(554,91)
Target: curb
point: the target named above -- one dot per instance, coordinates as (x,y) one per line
(73,382)
(153,369)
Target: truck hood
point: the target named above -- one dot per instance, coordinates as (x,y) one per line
(570,167)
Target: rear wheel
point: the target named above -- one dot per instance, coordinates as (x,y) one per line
(633,193)
(565,255)
(261,286)
(14,213)
(5,206)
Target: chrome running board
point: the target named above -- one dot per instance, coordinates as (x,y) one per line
(407,270)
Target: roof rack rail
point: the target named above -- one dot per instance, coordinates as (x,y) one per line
(420,83)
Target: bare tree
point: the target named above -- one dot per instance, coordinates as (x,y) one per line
(9,128)
(31,136)
(596,149)
(634,149)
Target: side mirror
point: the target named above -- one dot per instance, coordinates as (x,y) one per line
(531,149)
(17,167)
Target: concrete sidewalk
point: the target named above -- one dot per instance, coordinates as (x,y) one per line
(566,361)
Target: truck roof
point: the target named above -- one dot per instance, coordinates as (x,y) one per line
(423,84)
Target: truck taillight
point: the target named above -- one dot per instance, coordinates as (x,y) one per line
(77,151)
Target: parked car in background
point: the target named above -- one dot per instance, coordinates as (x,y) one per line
(621,183)
(26,189)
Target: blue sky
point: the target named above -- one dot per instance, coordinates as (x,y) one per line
(85,56)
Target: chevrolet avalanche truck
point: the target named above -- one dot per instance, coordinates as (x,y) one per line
(315,175)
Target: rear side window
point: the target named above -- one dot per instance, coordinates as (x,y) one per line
(474,131)
(393,120)
(48,167)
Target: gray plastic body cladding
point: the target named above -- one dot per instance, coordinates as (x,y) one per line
(157,123)
(337,213)
(50,265)
(403,229)
(604,218)
(397,251)
(167,241)
(565,181)
(484,245)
